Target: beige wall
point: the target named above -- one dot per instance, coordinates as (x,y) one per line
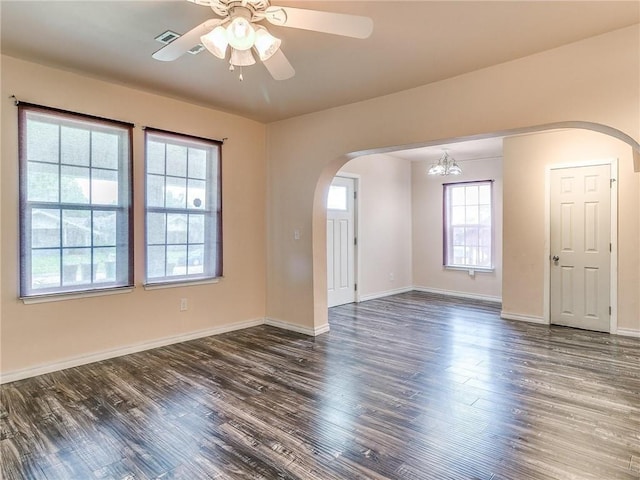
(525,160)
(594,80)
(384,220)
(51,332)
(428,271)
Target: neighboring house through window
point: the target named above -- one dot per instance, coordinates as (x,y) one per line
(183,208)
(468,225)
(75,199)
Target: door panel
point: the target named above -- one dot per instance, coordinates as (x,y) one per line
(340,242)
(580,238)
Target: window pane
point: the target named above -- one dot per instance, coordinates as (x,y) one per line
(74,146)
(471,217)
(458,236)
(76,266)
(337,199)
(472,195)
(104,187)
(104,229)
(196,228)
(76,228)
(176,228)
(74,186)
(457,196)
(42,141)
(484,259)
(176,192)
(485,215)
(155,261)
(471,236)
(45,227)
(485,194)
(457,216)
(485,237)
(155,191)
(105,150)
(45,268)
(104,264)
(197,163)
(458,255)
(470,255)
(42,182)
(155,157)
(156,228)
(197,194)
(176,160)
(196,260)
(176,260)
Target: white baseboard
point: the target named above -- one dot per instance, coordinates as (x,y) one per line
(453,293)
(628,332)
(311,331)
(523,318)
(387,293)
(120,351)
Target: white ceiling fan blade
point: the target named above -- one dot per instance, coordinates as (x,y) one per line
(184,43)
(279,66)
(327,22)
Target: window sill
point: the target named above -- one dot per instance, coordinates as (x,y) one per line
(59,297)
(470,269)
(181,283)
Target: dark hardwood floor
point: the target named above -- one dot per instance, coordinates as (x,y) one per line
(414,386)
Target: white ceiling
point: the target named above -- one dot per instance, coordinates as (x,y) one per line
(463,151)
(413,43)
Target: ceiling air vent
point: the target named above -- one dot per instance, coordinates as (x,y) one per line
(167,37)
(196,50)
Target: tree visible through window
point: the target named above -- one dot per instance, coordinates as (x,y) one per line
(468,224)
(183,208)
(75,195)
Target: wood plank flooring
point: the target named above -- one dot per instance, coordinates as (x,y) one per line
(414,386)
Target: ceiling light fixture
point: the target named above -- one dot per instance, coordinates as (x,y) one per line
(446,165)
(241,35)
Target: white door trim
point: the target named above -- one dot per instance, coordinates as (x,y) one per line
(613,294)
(356,227)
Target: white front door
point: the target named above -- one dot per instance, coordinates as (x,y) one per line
(340,242)
(580,247)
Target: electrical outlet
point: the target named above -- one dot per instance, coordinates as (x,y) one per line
(183,305)
(392,277)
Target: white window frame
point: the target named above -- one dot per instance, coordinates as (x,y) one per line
(212,214)
(448,236)
(122,264)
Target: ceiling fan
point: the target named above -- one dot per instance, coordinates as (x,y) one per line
(238,31)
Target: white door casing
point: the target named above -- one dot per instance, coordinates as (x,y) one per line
(341,285)
(580,247)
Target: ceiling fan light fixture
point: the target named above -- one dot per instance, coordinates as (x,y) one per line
(266,44)
(240,34)
(216,42)
(242,58)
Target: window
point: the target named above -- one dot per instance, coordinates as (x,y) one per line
(75,191)
(183,208)
(468,225)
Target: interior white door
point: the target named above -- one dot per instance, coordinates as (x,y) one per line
(580,247)
(341,242)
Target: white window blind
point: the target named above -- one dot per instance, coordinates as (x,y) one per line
(75,197)
(183,208)
(468,224)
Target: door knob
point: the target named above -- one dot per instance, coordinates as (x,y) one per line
(556,258)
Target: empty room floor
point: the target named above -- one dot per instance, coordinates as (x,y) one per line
(414,386)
